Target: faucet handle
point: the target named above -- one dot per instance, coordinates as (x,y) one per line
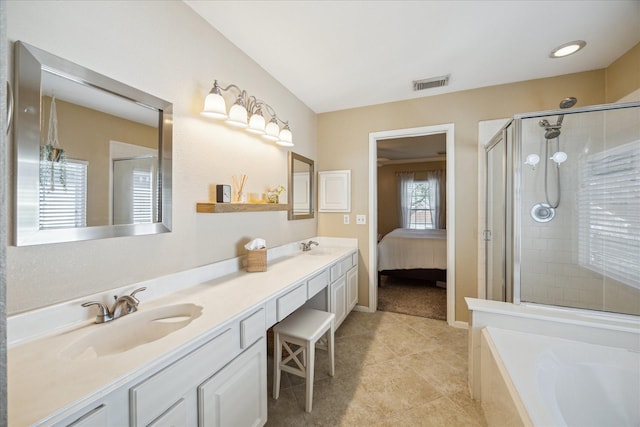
(133,294)
(103,312)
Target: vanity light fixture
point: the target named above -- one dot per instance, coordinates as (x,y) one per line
(567,49)
(247,113)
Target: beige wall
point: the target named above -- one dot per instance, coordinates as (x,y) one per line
(388,191)
(165,49)
(344,138)
(623,75)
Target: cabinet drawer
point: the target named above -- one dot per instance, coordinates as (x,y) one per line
(155,395)
(95,417)
(340,268)
(346,264)
(252,328)
(290,302)
(317,283)
(336,271)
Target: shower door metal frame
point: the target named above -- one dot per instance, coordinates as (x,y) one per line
(501,136)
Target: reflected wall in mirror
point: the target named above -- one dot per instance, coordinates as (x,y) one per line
(93,155)
(300,187)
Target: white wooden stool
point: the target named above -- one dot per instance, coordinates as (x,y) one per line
(303,328)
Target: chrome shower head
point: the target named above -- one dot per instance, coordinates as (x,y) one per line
(568,102)
(552,132)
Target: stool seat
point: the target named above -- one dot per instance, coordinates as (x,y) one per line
(302,328)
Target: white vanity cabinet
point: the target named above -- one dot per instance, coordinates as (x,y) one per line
(213,376)
(155,398)
(236,395)
(352,288)
(338,301)
(222,382)
(110,410)
(342,289)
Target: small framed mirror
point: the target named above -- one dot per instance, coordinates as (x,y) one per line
(300,192)
(92,155)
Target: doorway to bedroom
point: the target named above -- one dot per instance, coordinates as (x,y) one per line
(411,176)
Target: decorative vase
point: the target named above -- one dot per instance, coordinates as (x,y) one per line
(273,197)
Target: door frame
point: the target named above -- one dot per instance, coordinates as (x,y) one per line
(374,137)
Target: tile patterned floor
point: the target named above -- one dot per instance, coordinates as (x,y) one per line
(391,370)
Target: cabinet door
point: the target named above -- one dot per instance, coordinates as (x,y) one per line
(334,191)
(339,300)
(237,395)
(352,288)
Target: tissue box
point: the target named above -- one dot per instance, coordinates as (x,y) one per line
(257,260)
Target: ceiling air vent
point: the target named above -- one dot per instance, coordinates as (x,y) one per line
(430,83)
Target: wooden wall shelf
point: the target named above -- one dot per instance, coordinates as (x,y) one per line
(211,207)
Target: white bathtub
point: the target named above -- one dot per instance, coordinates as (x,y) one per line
(538,380)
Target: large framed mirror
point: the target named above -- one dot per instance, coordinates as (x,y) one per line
(92,155)
(300,192)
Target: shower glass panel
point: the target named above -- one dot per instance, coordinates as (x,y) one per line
(578,210)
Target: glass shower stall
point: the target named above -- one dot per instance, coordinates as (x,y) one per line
(563,208)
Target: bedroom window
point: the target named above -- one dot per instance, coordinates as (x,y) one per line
(421,214)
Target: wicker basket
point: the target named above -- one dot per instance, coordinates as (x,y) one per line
(257,260)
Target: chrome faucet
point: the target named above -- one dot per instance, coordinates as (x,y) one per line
(307,246)
(123,305)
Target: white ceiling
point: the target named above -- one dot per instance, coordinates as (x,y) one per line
(335,55)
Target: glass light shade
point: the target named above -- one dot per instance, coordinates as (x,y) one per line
(286,138)
(215,106)
(238,116)
(567,49)
(256,124)
(272,131)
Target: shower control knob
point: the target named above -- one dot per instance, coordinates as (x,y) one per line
(559,157)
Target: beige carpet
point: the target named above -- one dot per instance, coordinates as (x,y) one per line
(412,296)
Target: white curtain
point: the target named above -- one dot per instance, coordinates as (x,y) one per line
(437,193)
(405,190)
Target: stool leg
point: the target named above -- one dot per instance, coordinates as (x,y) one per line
(311,348)
(277,357)
(330,350)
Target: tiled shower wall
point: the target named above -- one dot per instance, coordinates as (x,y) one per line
(550,271)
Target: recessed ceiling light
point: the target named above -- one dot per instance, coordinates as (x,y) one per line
(567,49)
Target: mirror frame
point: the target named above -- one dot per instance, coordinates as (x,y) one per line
(30,62)
(292,158)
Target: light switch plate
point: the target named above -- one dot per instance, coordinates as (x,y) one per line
(361,219)
(346,219)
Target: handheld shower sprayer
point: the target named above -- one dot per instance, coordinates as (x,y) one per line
(552,132)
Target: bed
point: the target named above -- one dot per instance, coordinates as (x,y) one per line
(413,253)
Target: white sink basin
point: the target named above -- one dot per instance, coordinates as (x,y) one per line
(131,331)
(319,251)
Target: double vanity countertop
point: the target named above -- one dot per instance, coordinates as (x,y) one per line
(44,380)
